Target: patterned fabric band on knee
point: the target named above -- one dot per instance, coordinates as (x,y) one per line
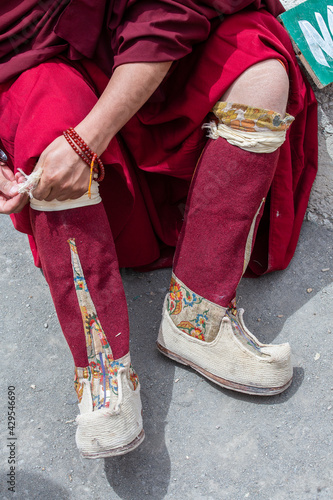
(252,129)
(55,205)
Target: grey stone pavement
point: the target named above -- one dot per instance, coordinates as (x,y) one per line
(202,442)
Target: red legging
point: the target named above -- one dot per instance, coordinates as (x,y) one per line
(226,192)
(90,228)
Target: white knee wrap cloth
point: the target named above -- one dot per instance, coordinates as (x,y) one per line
(266,141)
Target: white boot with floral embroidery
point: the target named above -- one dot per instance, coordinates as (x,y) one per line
(108,389)
(215,342)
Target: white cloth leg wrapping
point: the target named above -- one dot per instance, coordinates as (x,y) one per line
(266,141)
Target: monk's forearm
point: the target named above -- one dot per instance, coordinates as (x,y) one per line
(65,175)
(129,88)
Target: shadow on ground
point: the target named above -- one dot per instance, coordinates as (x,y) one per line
(33,487)
(270,300)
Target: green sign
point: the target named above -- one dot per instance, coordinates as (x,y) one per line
(310,26)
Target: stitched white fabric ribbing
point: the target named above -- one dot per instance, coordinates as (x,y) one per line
(267,141)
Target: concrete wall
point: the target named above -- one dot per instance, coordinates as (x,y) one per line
(320,208)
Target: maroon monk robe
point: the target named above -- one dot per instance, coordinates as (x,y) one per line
(32,31)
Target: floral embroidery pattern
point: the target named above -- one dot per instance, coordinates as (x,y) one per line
(180,298)
(102,370)
(133,377)
(195,327)
(175,298)
(249,119)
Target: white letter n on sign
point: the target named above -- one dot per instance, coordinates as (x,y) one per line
(316,42)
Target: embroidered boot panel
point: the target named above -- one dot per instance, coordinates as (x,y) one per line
(201,319)
(193,314)
(103,369)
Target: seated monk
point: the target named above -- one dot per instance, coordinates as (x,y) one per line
(134,132)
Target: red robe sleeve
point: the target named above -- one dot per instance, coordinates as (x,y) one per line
(111,32)
(166,30)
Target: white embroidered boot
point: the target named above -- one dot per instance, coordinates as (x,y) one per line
(110,420)
(215,342)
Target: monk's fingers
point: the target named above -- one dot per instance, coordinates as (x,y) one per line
(8,188)
(8,184)
(42,191)
(19,178)
(24,201)
(61,188)
(64,194)
(13,205)
(6,173)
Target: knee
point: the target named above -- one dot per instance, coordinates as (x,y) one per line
(263,85)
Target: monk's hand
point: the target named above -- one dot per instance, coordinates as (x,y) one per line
(65,175)
(11,202)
